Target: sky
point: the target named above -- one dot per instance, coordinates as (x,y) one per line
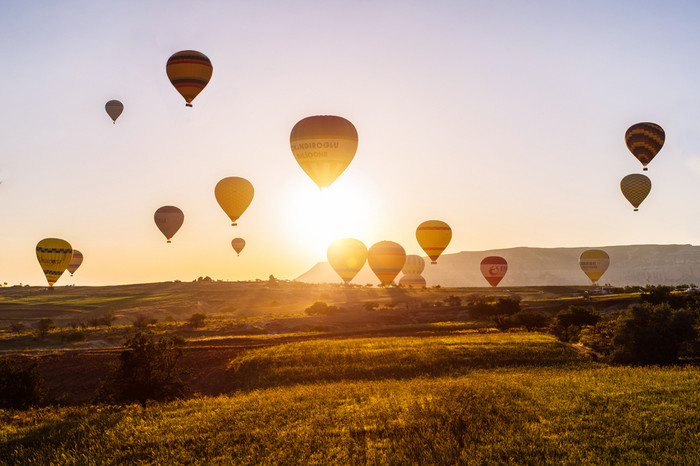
(504,119)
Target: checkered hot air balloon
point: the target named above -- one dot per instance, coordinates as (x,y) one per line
(635,188)
(234,195)
(75,261)
(645,140)
(169,219)
(189,72)
(54,255)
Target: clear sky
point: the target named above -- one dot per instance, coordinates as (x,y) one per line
(504,119)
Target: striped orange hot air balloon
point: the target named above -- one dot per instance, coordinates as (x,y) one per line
(324,146)
(234,194)
(169,219)
(414,265)
(238,244)
(347,256)
(412,281)
(386,259)
(114,108)
(494,268)
(645,140)
(594,263)
(75,261)
(189,71)
(635,188)
(433,236)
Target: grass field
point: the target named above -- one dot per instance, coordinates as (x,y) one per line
(458,399)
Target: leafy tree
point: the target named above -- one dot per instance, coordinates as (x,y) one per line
(197,319)
(503,322)
(44,326)
(20,387)
(568,323)
(652,334)
(147,370)
(453,301)
(321,308)
(531,320)
(660,294)
(508,305)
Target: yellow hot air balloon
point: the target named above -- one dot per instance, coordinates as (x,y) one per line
(238,244)
(347,256)
(594,263)
(386,259)
(75,261)
(412,281)
(114,108)
(324,146)
(645,140)
(189,71)
(54,255)
(635,188)
(234,195)
(169,219)
(414,265)
(433,236)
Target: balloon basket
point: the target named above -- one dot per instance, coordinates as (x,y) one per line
(645,169)
(188,104)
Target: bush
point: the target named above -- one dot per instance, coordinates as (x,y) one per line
(531,320)
(147,370)
(321,308)
(503,323)
(652,334)
(568,324)
(196,320)
(44,326)
(453,301)
(662,294)
(484,307)
(19,387)
(508,305)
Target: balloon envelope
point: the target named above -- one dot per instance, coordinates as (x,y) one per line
(414,265)
(645,140)
(594,263)
(75,261)
(347,256)
(114,108)
(189,71)
(238,244)
(386,259)
(168,220)
(635,188)
(234,195)
(433,236)
(412,281)
(53,255)
(494,268)
(324,146)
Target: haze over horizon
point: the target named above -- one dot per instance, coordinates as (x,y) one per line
(506,121)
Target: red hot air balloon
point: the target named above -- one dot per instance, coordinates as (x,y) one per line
(494,268)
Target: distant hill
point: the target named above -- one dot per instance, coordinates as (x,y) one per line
(629,265)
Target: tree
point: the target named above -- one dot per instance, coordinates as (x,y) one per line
(568,323)
(44,326)
(321,308)
(20,387)
(147,370)
(453,301)
(652,334)
(531,320)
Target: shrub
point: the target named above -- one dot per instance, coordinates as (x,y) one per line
(662,294)
(531,320)
(73,335)
(508,305)
(652,334)
(20,387)
(567,324)
(453,301)
(147,370)
(503,322)
(196,320)
(44,326)
(321,308)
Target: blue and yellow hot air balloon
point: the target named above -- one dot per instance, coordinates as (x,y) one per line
(54,255)
(189,72)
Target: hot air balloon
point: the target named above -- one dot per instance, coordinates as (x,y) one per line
(234,195)
(494,268)
(594,263)
(347,256)
(54,255)
(645,140)
(414,265)
(75,261)
(386,259)
(168,220)
(324,146)
(635,188)
(238,244)
(114,108)
(189,71)
(433,236)
(412,281)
